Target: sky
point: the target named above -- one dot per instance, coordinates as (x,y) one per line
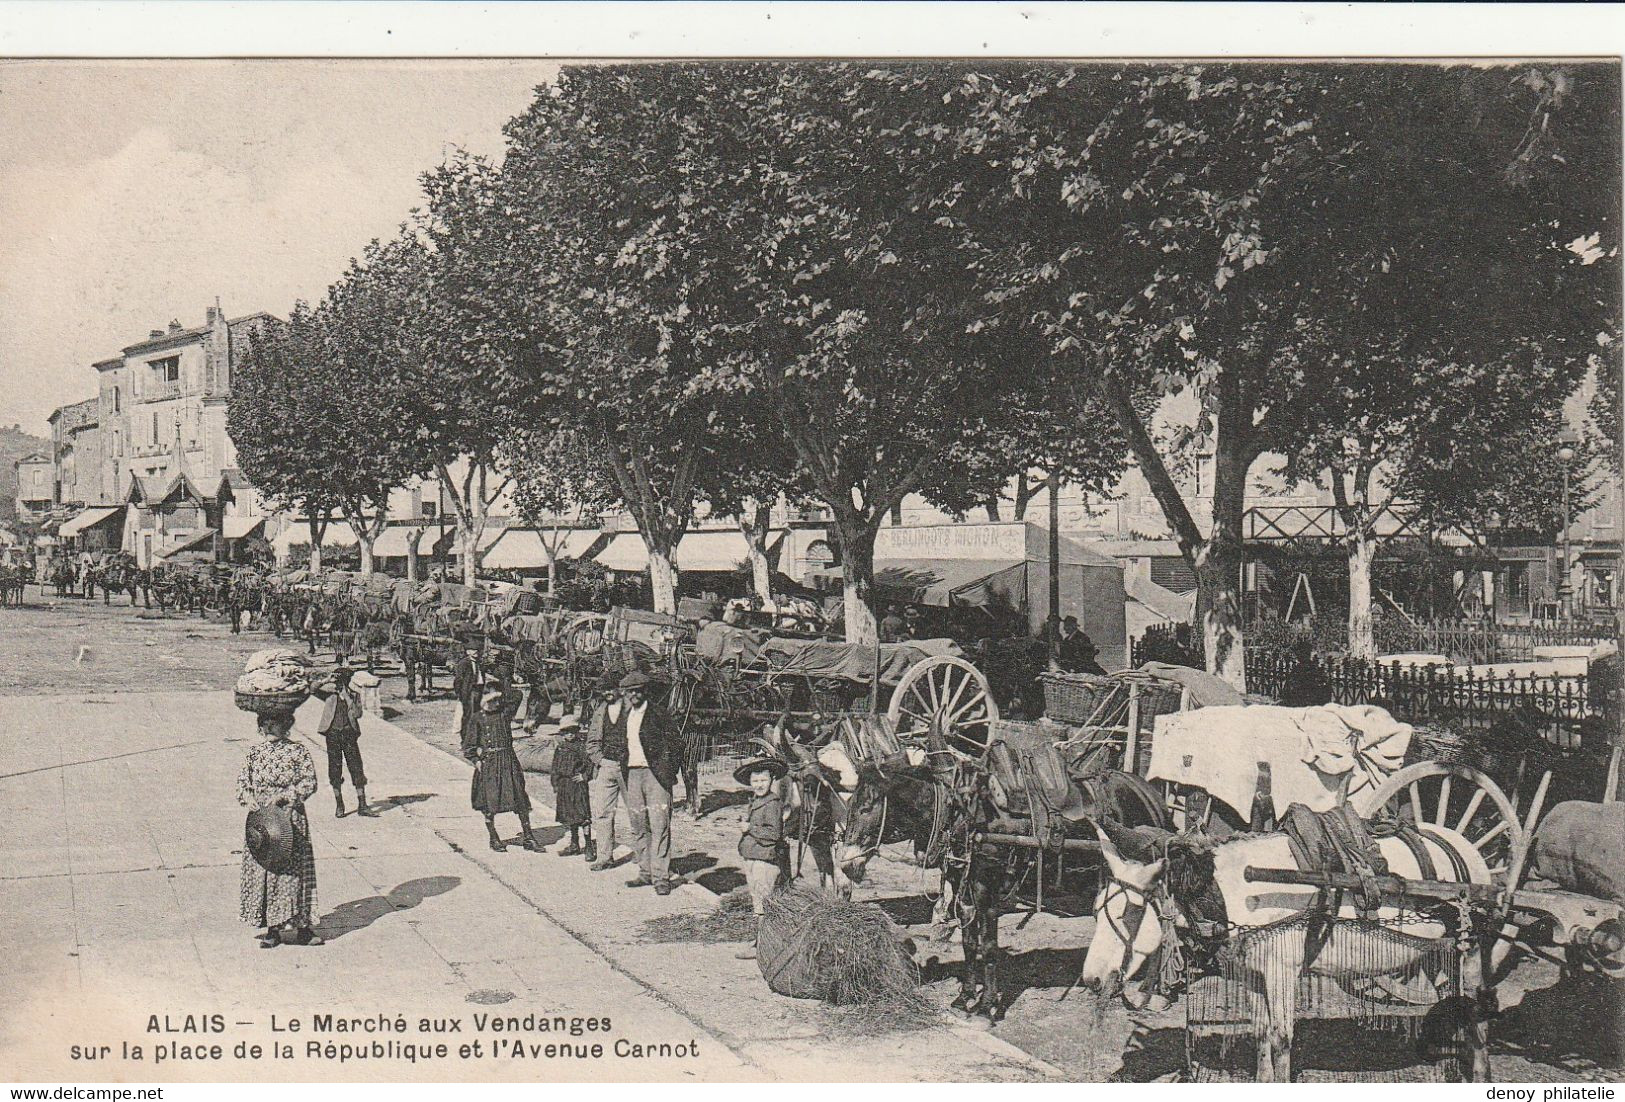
(134,193)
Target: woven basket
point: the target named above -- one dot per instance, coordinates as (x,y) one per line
(271,704)
(1073,697)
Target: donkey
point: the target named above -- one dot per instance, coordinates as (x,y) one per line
(1173,884)
(897,801)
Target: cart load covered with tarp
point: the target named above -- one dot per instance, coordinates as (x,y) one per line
(817,658)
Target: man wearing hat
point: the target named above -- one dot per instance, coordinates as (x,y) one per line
(642,740)
(468,678)
(341,728)
(762,839)
(604,790)
(1077,650)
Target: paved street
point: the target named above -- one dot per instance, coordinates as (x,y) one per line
(118,874)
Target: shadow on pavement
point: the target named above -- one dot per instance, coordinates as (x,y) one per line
(1576,1024)
(401,801)
(361,913)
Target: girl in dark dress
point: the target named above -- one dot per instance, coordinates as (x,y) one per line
(499,783)
(571,768)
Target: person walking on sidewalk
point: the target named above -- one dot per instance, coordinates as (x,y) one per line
(279,771)
(645,744)
(499,782)
(572,808)
(341,727)
(604,788)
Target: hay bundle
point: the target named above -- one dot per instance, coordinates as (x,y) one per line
(812,946)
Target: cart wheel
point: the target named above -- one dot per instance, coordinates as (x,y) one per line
(948,695)
(1454,797)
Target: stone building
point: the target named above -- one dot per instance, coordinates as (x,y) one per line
(76,447)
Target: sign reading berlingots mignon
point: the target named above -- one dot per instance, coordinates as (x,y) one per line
(954,541)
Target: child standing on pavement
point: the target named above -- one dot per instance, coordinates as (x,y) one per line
(762,838)
(571,770)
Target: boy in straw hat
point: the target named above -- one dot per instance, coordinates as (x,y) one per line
(762,837)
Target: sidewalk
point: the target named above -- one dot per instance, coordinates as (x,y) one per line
(118,877)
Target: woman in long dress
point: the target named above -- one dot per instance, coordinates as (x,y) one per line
(280,771)
(499,782)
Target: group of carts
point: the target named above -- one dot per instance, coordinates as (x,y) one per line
(723,682)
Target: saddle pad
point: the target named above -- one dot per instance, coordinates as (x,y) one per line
(1025,760)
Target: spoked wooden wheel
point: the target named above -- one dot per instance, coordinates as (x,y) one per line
(947,696)
(1454,797)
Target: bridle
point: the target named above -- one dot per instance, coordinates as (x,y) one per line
(1127,927)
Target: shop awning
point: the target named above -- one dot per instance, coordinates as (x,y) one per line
(719,552)
(198,541)
(573,544)
(625,551)
(237,528)
(392,543)
(517,549)
(337,534)
(938,581)
(87,519)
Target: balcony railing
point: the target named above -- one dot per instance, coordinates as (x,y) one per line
(158,392)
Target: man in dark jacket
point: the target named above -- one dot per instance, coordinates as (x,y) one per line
(644,742)
(1077,650)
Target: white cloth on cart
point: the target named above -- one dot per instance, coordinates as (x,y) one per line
(1311,752)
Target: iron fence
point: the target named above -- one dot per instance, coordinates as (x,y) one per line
(1475,642)
(1559,709)
(1468,702)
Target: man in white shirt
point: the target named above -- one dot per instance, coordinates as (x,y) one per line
(641,739)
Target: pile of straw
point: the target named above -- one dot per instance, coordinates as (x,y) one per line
(732,920)
(812,946)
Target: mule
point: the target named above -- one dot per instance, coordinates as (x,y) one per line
(1174,886)
(898,800)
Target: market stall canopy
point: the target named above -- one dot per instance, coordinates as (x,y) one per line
(236,528)
(941,582)
(87,520)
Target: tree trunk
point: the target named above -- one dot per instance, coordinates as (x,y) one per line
(992,507)
(413,568)
(468,542)
(897,515)
(1218,568)
(317,531)
(753,524)
(663,579)
(1362,637)
(365,540)
(858,578)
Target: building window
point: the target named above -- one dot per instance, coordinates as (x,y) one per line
(116,405)
(429,508)
(167,370)
(155,428)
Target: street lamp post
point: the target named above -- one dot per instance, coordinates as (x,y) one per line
(1565,455)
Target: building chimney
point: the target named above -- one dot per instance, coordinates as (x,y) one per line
(211,315)
(175,325)
(154,334)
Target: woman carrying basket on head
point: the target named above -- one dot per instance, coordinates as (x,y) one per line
(279,773)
